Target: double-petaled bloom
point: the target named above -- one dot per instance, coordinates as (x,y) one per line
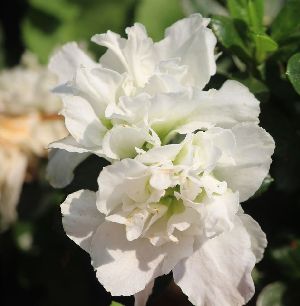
(28,122)
(183,158)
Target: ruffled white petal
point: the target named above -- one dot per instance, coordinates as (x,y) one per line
(61,166)
(192,110)
(161,154)
(133,110)
(126,267)
(233,103)
(190,40)
(182,221)
(122,141)
(123,267)
(113,58)
(219,213)
(252,158)
(164,121)
(141,298)
(81,217)
(169,78)
(82,122)
(135,55)
(220,270)
(111,179)
(258,237)
(65,62)
(98,86)
(176,251)
(69,144)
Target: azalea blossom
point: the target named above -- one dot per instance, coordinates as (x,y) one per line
(124,101)
(183,159)
(176,208)
(96,94)
(28,122)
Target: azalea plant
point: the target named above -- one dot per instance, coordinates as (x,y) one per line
(167,163)
(183,159)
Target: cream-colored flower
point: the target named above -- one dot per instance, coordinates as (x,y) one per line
(28,122)
(99,98)
(183,158)
(176,207)
(25,88)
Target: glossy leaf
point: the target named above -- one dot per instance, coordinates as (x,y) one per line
(229,33)
(256,14)
(293,71)
(238,9)
(250,11)
(264,45)
(272,295)
(286,24)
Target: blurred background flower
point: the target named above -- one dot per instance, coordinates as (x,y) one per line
(260,48)
(28,122)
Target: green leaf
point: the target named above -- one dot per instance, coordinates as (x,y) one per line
(272,295)
(238,9)
(250,11)
(256,14)
(264,46)
(293,71)
(287,258)
(157,15)
(232,34)
(113,303)
(286,25)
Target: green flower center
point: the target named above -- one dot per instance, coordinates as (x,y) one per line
(174,205)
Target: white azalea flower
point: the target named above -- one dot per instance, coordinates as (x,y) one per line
(28,122)
(176,208)
(145,121)
(95,94)
(122,103)
(164,204)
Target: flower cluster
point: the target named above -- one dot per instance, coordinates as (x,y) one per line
(28,122)
(182,160)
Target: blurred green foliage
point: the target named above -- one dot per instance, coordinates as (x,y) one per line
(51,23)
(259,45)
(272,295)
(157,15)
